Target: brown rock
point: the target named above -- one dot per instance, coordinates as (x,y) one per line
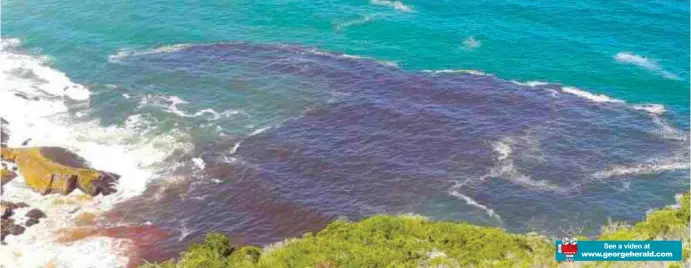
(57,170)
(7,227)
(6,176)
(7,224)
(7,208)
(13,205)
(31,222)
(5,212)
(35,214)
(17,229)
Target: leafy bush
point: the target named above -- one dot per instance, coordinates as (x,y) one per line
(401,241)
(671,223)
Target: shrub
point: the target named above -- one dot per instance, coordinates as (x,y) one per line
(400,241)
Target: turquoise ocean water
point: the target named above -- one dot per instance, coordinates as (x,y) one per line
(570,43)
(483,111)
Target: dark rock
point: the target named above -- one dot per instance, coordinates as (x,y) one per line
(5,212)
(26,142)
(21,95)
(35,214)
(105,184)
(31,222)
(7,227)
(7,224)
(17,229)
(13,205)
(25,96)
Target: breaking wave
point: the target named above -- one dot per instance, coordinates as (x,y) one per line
(40,103)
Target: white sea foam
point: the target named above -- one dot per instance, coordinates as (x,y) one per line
(465,71)
(653,109)
(590,96)
(47,82)
(454,192)
(7,43)
(530,83)
(124,53)
(42,115)
(315,51)
(651,168)
(199,162)
(398,5)
(645,63)
(666,131)
(230,112)
(258,131)
(505,168)
(656,109)
(235,147)
(171,104)
(184,231)
(628,57)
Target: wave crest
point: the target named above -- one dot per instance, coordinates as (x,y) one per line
(36,103)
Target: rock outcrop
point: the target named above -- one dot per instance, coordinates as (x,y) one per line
(7,224)
(57,170)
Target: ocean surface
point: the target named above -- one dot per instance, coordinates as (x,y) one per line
(266,120)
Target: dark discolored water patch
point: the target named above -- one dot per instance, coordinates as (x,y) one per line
(377,139)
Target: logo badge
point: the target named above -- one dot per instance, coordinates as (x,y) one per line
(568,247)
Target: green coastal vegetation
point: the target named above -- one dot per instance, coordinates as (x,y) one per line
(413,241)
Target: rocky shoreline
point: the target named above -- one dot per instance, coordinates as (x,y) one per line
(45,170)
